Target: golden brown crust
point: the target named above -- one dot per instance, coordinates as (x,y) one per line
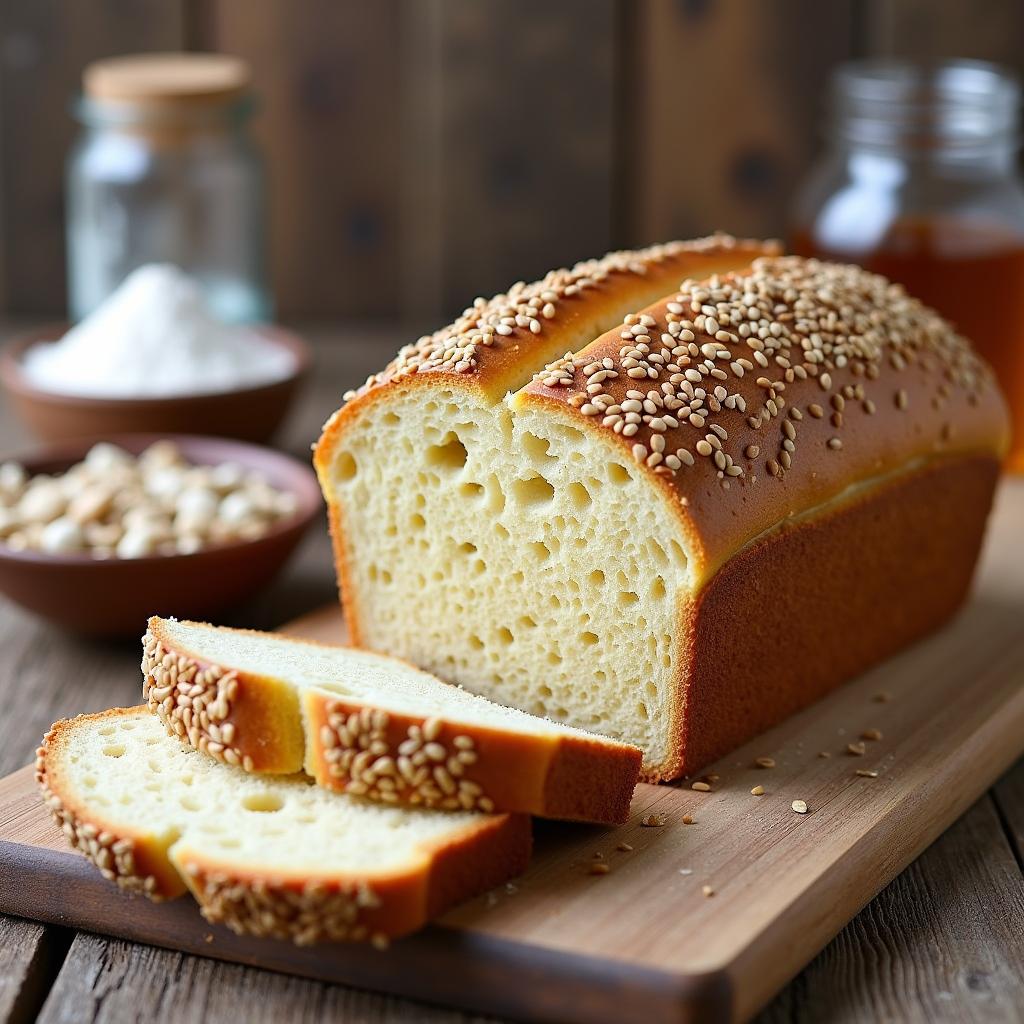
(257,723)
(496,340)
(430,762)
(816,603)
(288,905)
(888,383)
(571,308)
(238,718)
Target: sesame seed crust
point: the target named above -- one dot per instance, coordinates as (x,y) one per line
(795,380)
(514,326)
(303,913)
(193,701)
(431,766)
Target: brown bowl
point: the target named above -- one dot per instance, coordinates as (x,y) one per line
(249,414)
(115,596)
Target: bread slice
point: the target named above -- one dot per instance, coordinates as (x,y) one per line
(271,857)
(670,535)
(374,726)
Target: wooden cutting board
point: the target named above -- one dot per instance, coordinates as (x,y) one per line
(644,942)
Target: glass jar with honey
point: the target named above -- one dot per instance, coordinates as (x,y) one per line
(921,183)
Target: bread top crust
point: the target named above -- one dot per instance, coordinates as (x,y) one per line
(762,394)
(497,343)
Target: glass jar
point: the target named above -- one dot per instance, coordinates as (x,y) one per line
(165,172)
(920,183)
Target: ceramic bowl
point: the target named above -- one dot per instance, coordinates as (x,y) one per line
(249,414)
(116,596)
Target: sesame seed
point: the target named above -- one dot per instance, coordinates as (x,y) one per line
(866,773)
(834,443)
(624,847)
(598,868)
(764,762)
(708,891)
(871,734)
(701,787)
(856,749)
(902,399)
(800,806)
(757,791)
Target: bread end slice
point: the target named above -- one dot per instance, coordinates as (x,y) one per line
(268,857)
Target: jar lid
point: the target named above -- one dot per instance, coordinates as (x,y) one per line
(166,79)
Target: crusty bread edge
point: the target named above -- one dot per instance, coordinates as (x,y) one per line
(261,724)
(285,904)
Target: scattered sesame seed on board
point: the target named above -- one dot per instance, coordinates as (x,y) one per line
(700,787)
(687,819)
(708,891)
(765,762)
(653,820)
(824,753)
(757,791)
(686,871)
(598,868)
(624,848)
(856,749)
(866,773)
(800,806)
(871,734)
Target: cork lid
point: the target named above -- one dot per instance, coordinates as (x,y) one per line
(166,79)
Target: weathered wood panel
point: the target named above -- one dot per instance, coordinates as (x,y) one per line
(107,981)
(943,944)
(510,154)
(926,30)
(328,82)
(30,956)
(1009,800)
(721,106)
(44,44)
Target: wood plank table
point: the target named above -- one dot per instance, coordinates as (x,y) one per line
(943,943)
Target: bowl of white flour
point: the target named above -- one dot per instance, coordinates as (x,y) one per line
(152,358)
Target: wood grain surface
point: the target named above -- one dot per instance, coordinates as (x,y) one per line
(423,152)
(696,918)
(939,944)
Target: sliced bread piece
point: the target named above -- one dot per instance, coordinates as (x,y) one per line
(375,726)
(265,856)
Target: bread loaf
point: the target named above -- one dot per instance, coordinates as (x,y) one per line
(265,856)
(691,525)
(373,726)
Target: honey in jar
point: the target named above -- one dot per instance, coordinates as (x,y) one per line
(920,184)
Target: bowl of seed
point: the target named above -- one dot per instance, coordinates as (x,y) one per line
(96,537)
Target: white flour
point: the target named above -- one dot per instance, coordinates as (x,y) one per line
(154,337)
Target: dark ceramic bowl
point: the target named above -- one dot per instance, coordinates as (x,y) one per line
(249,414)
(115,596)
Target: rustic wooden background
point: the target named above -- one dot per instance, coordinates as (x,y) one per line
(425,151)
